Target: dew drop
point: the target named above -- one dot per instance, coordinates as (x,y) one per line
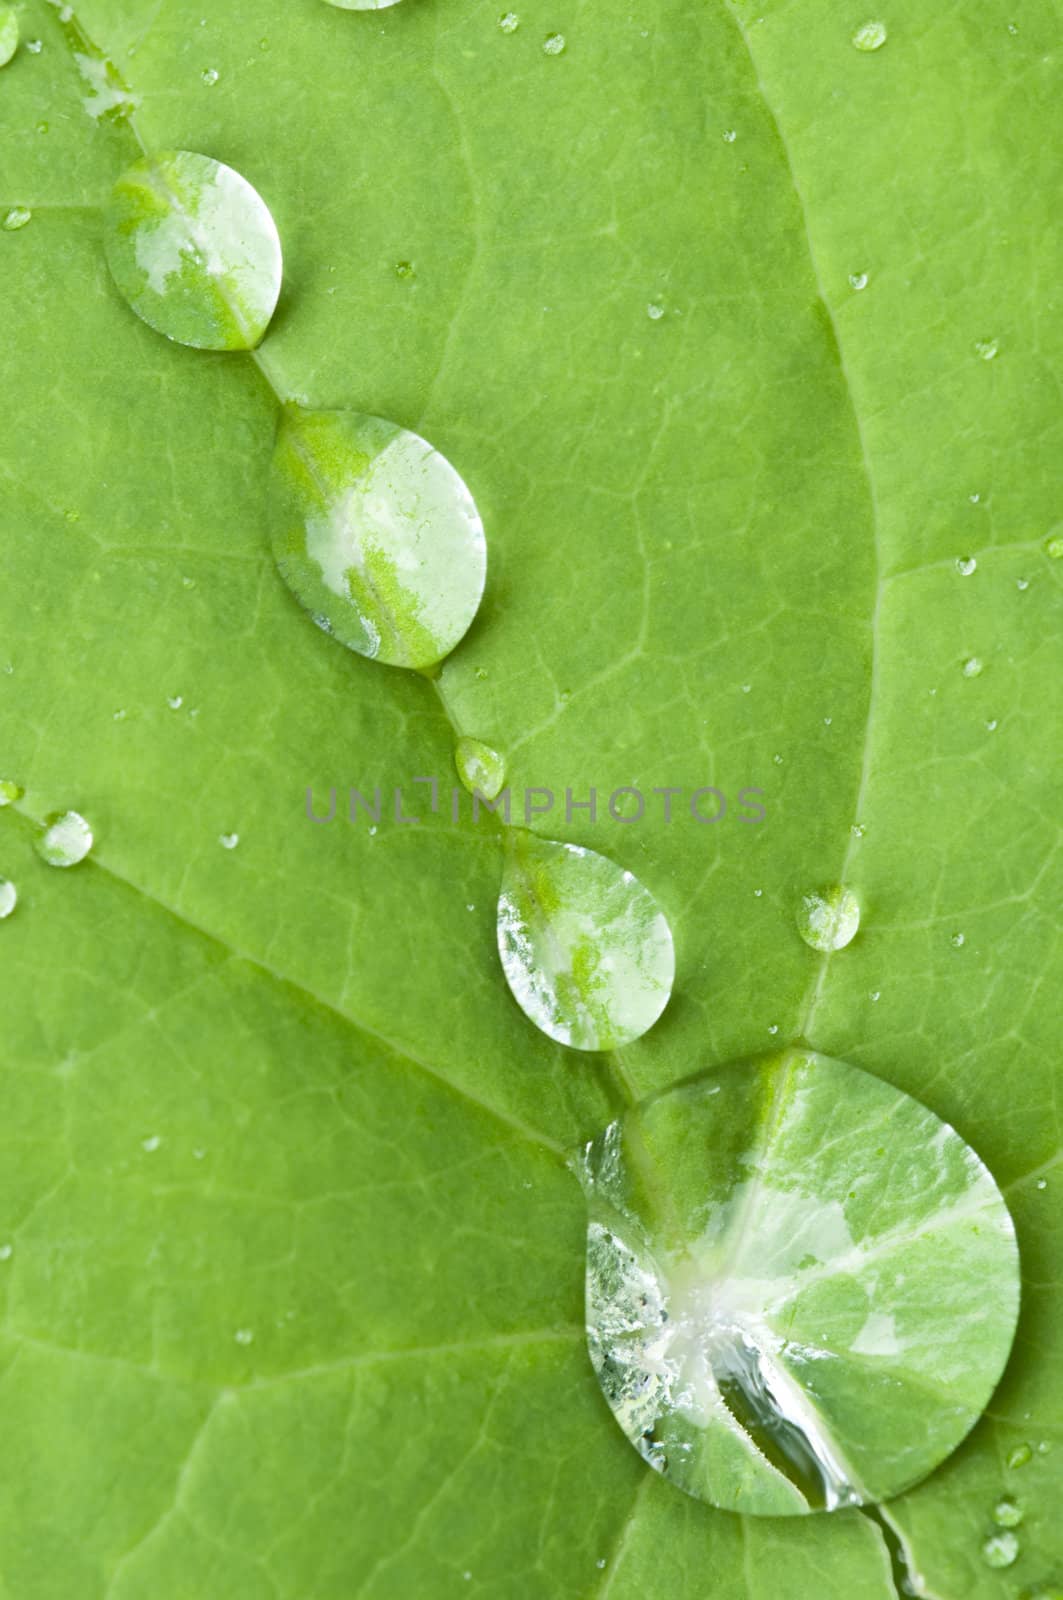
(1021,1454)
(480,768)
(741,1291)
(9,792)
(16,218)
(1054,547)
(34,46)
(858,280)
(585,948)
(194,251)
(210,76)
(66,840)
(655,311)
(8,898)
(992,725)
(554,44)
(1007,1513)
(405,270)
(972,667)
(175,701)
(375,531)
(965,565)
(986,348)
(8,33)
(730,136)
(228,841)
(151,1144)
(1022,584)
(958,940)
(858,830)
(875,995)
(1042,1183)
(243,1336)
(1000,1549)
(509,22)
(870,36)
(758,893)
(827,919)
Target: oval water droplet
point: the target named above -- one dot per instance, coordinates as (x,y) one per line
(966,565)
(405,270)
(210,76)
(957,941)
(986,348)
(827,919)
(16,218)
(870,36)
(375,531)
(764,1301)
(481,769)
(655,311)
(1054,547)
(554,44)
(586,949)
(66,840)
(1021,1454)
(193,249)
(730,135)
(509,23)
(8,898)
(858,280)
(8,33)
(1007,1513)
(972,667)
(9,791)
(1001,1549)
(228,841)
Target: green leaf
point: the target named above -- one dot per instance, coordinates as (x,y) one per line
(724,545)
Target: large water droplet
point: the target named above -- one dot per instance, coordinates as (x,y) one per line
(1020,1456)
(8,898)
(374,531)
(585,947)
(481,769)
(1007,1513)
(765,1302)
(16,218)
(8,33)
(858,281)
(9,791)
(194,250)
(870,36)
(66,840)
(1001,1549)
(827,919)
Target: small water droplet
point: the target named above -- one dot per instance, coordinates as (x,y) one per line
(479,767)
(730,136)
(585,948)
(405,270)
(119,715)
(777,758)
(1022,583)
(151,1144)
(66,840)
(34,46)
(965,565)
(229,841)
(600,1563)
(1007,1513)
(1054,547)
(972,667)
(8,33)
(9,792)
(655,311)
(42,127)
(875,995)
(992,725)
(1013,27)
(193,249)
(858,280)
(243,1336)
(6,1252)
(746,687)
(1042,1183)
(509,22)
(957,940)
(827,721)
(986,348)
(858,830)
(1045,1447)
(773,1028)
(554,44)
(1021,1454)
(175,701)
(210,76)
(870,36)
(8,898)
(827,919)
(1000,1549)
(16,218)
(374,530)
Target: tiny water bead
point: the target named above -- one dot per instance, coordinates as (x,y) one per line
(8,898)
(405,270)
(870,36)
(655,311)
(1007,1513)
(509,23)
(1054,547)
(481,769)
(827,919)
(972,667)
(966,565)
(776,1255)
(858,281)
(210,76)
(16,218)
(194,250)
(1001,1549)
(1020,1456)
(986,348)
(66,840)
(8,33)
(957,941)
(375,533)
(554,44)
(228,841)
(585,948)
(9,792)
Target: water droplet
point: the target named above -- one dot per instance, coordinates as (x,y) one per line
(1000,1549)
(42,127)
(773,1028)
(8,33)
(1021,1454)
(175,701)
(1007,1513)
(243,1336)
(777,758)
(655,311)
(827,919)
(1054,547)
(375,530)
(958,940)
(1022,583)
(986,348)
(9,792)
(509,23)
(151,1144)
(733,1313)
(194,250)
(119,716)
(972,667)
(858,280)
(858,830)
(586,949)
(875,995)
(8,898)
(554,43)
(479,767)
(965,565)
(870,36)
(404,269)
(16,218)
(730,136)
(992,725)
(6,1252)
(34,46)
(758,893)
(1042,1183)
(210,76)
(66,840)
(228,841)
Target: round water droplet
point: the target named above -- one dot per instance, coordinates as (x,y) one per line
(1021,1454)
(8,33)
(1000,1549)
(16,218)
(1054,547)
(554,44)
(992,725)
(1007,1513)
(8,898)
(986,348)
(764,1300)
(244,1336)
(210,76)
(175,701)
(374,530)
(870,36)
(194,250)
(972,667)
(9,792)
(965,565)
(730,136)
(858,830)
(586,949)
(66,840)
(228,841)
(509,23)
(858,280)
(1021,584)
(34,46)
(151,1144)
(481,769)
(404,269)
(655,311)
(1042,1183)
(957,941)
(827,919)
